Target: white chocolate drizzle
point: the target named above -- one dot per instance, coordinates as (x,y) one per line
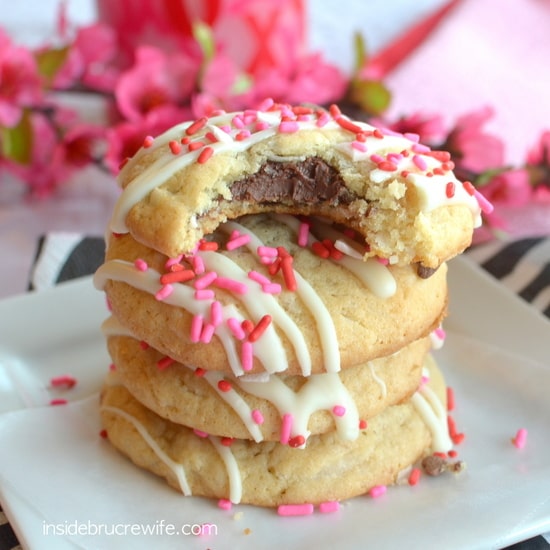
(176,468)
(232,469)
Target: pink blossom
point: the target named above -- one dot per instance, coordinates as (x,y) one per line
(429,127)
(511,187)
(125,138)
(90,60)
(20,83)
(156,79)
(472,148)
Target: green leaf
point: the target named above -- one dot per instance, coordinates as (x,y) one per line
(50,61)
(16,143)
(202,33)
(242,84)
(371,96)
(360,52)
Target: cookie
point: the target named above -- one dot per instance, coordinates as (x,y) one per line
(311,314)
(259,406)
(402,197)
(269,473)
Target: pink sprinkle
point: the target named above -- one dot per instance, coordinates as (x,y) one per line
(236,328)
(173,261)
(266,104)
(63,381)
(198,265)
(383,261)
(204,294)
(148,141)
(246,355)
(412,137)
(112,367)
(200,433)
(58,401)
(440,333)
(286,427)
(268,251)
(261,125)
(224,504)
(394,157)
(238,122)
(238,241)
(424,380)
(231,285)
(141,265)
(216,313)
(359,146)
(521,438)
(242,135)
(258,278)
(206,280)
(323,119)
(288,127)
(164,292)
(257,416)
(484,204)
(377,158)
(329,506)
(295,509)
(419,162)
(303,234)
(196,328)
(226,128)
(338,410)
(378,491)
(272,288)
(207,333)
(420,148)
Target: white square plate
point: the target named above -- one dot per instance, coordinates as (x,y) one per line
(60,482)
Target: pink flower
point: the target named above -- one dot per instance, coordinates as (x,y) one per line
(430,128)
(511,187)
(90,60)
(126,138)
(540,153)
(472,149)
(20,83)
(156,79)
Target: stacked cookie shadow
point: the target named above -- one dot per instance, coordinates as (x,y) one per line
(233,379)
(276,278)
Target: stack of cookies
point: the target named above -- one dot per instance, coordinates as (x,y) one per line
(277,279)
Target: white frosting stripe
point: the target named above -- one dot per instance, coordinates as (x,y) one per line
(176,468)
(232,469)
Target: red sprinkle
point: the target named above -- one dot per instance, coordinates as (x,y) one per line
(205,154)
(195,145)
(414,476)
(143,345)
(387,166)
(334,110)
(64,381)
(177,276)
(363,424)
(470,189)
(458,438)
(288,273)
(200,372)
(450,189)
(103,434)
(442,156)
(452,453)
(260,328)
(165,362)
(196,126)
(224,385)
(148,141)
(227,441)
(450,399)
(378,134)
(320,249)
(58,401)
(208,245)
(296,441)
(247,325)
(347,124)
(175,147)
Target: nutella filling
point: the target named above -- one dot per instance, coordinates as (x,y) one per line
(310,181)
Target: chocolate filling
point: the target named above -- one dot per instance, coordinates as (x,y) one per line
(310,181)
(425,272)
